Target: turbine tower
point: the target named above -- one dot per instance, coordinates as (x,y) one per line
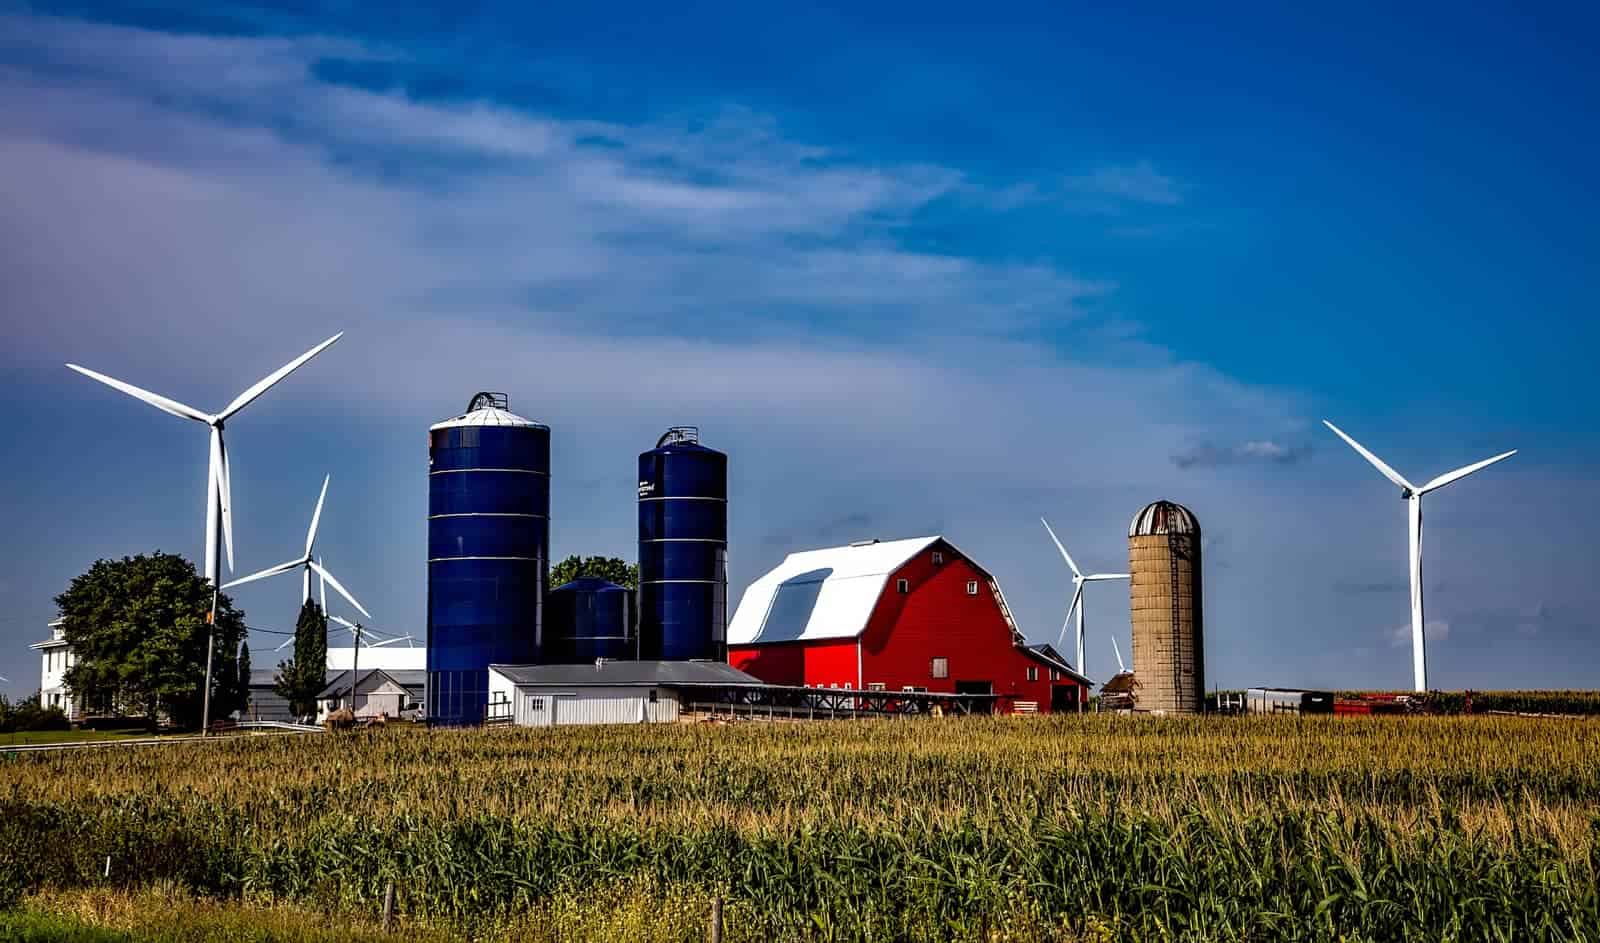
(1413,498)
(307,564)
(219,496)
(1078,581)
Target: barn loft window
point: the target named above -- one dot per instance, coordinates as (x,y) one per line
(1033,673)
(941,667)
(972,587)
(938,558)
(903,586)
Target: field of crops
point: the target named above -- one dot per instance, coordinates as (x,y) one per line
(1099,828)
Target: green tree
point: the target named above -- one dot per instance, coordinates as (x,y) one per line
(138,631)
(302,677)
(617,571)
(238,698)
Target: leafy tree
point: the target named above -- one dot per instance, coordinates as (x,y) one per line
(617,571)
(302,677)
(138,631)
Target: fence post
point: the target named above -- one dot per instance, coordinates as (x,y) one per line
(716,920)
(388,905)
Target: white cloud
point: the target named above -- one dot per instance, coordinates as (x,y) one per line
(1432,630)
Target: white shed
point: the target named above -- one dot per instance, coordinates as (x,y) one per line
(380,692)
(605,692)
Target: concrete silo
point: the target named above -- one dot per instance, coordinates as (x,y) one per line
(1168,611)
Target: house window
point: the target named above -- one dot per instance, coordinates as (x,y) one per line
(941,667)
(1033,673)
(903,586)
(938,558)
(875,686)
(972,587)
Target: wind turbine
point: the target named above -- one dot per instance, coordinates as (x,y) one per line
(1078,581)
(219,492)
(307,564)
(1413,497)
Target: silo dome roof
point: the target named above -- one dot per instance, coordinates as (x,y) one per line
(488,416)
(1163,517)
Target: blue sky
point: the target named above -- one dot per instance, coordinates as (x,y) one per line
(915,269)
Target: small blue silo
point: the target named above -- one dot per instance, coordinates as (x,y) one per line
(488,551)
(586,619)
(683,549)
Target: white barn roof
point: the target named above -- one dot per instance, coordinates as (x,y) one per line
(825,594)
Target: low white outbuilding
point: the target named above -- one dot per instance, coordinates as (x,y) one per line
(605,692)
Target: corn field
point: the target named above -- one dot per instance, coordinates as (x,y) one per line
(1068,828)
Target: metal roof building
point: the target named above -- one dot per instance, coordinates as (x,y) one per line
(604,692)
(901,615)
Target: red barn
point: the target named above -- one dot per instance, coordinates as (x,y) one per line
(899,615)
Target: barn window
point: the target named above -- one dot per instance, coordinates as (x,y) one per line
(972,587)
(652,695)
(941,667)
(875,686)
(903,586)
(1033,673)
(1055,675)
(938,558)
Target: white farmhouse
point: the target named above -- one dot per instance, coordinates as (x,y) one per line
(55,657)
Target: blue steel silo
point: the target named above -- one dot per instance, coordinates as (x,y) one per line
(488,551)
(683,549)
(586,619)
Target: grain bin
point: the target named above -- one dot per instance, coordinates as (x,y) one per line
(1168,610)
(488,551)
(683,549)
(586,619)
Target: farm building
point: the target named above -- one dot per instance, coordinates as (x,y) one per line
(386,692)
(605,692)
(1282,701)
(903,615)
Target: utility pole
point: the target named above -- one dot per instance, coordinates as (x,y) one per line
(211,644)
(355,674)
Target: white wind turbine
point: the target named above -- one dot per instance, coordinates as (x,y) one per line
(1413,497)
(307,564)
(1078,581)
(219,496)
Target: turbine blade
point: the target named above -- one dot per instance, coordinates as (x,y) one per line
(286,643)
(338,587)
(311,533)
(224,491)
(1099,577)
(244,399)
(342,621)
(1121,668)
(169,406)
(269,571)
(1377,462)
(322,587)
(1463,472)
(1064,554)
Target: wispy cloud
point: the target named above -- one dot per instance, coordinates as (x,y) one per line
(1255,451)
(1138,182)
(1435,631)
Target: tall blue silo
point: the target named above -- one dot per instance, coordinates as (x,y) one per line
(488,551)
(586,619)
(683,549)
